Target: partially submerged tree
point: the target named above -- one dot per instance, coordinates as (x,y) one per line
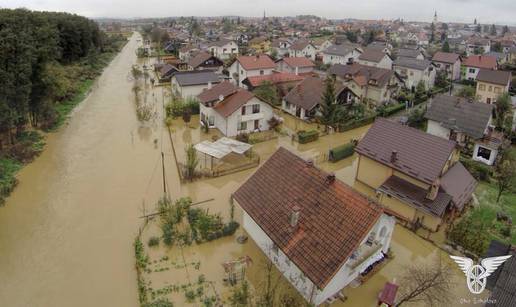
(328,105)
(191,162)
(467,92)
(267,92)
(427,283)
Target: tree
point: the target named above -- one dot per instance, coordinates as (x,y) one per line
(432,32)
(352,36)
(502,109)
(328,106)
(478,29)
(492,30)
(446,47)
(191,161)
(497,47)
(467,91)
(505,30)
(240,296)
(505,171)
(427,282)
(268,93)
(444,26)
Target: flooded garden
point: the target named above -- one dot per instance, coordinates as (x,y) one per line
(75,226)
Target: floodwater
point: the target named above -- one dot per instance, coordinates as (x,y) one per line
(66,232)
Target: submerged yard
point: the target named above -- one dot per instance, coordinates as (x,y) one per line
(194,274)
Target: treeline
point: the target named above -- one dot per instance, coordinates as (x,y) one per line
(44,58)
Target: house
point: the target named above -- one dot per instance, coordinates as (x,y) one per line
(501,282)
(491,84)
(416,176)
(302,48)
(341,54)
(380,46)
(187,51)
(166,71)
(303,101)
(373,86)
(233,110)
(192,83)
(477,45)
(414,71)
(249,66)
(449,63)
(281,80)
(295,65)
(410,53)
(260,45)
(472,64)
(223,49)
(281,46)
(319,232)
(204,60)
(375,58)
(466,122)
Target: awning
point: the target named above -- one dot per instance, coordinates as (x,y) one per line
(222,147)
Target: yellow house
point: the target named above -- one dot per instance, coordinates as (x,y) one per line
(491,84)
(416,176)
(260,44)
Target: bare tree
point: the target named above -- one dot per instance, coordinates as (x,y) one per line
(428,283)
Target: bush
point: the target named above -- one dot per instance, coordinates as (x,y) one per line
(242,137)
(8,169)
(478,170)
(307,136)
(470,233)
(385,111)
(341,152)
(153,241)
(230,228)
(353,124)
(162,302)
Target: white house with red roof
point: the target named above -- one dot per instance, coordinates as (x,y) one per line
(472,64)
(295,65)
(233,110)
(250,66)
(320,233)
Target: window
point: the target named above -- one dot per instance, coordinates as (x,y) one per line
(497,90)
(242,126)
(211,121)
(383,232)
(370,239)
(261,72)
(472,70)
(484,153)
(243,110)
(256,108)
(274,249)
(490,88)
(482,87)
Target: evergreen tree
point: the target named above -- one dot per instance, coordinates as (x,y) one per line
(328,105)
(492,30)
(446,47)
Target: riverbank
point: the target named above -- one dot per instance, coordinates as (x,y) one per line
(14,157)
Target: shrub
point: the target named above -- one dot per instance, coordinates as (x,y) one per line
(353,124)
(230,228)
(274,123)
(470,233)
(190,295)
(153,241)
(341,152)
(478,170)
(242,137)
(307,136)
(385,111)
(8,169)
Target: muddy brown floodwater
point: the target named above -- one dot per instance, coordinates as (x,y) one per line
(66,232)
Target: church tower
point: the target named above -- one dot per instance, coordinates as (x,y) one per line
(435,17)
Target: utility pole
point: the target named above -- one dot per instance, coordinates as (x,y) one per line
(163,175)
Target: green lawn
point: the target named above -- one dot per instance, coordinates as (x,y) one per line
(486,194)
(8,169)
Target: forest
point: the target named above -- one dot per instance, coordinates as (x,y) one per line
(48,61)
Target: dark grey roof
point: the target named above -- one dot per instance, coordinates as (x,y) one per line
(495,249)
(494,76)
(408,53)
(459,184)
(341,50)
(186,78)
(504,292)
(459,114)
(412,63)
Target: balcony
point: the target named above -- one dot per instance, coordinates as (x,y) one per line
(363,254)
(251,116)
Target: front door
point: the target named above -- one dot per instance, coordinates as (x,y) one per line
(256,124)
(298,111)
(488,100)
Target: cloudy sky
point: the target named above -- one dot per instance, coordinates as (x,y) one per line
(486,11)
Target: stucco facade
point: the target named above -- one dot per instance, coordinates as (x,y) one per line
(239,73)
(489,92)
(413,76)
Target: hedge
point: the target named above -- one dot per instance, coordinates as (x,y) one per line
(341,152)
(304,137)
(356,124)
(387,111)
(478,170)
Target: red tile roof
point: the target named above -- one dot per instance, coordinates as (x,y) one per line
(480,61)
(298,62)
(275,78)
(261,61)
(223,89)
(334,219)
(445,57)
(419,155)
(233,102)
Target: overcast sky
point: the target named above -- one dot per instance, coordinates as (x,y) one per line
(486,11)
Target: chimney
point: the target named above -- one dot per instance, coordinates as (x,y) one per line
(209,85)
(394,156)
(294,216)
(330,178)
(297,71)
(310,163)
(221,97)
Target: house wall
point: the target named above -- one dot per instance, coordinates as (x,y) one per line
(296,277)
(489,161)
(414,76)
(435,128)
(453,71)
(488,92)
(226,51)
(188,91)
(309,52)
(292,109)
(283,67)
(337,59)
(243,74)
(470,73)
(385,63)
